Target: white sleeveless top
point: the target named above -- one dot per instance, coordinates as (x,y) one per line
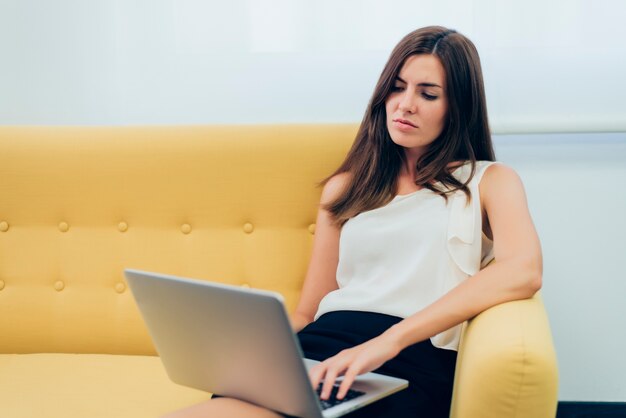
(402,257)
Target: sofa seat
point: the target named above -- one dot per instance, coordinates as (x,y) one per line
(77,385)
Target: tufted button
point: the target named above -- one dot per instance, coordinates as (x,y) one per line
(59,285)
(120,287)
(64,227)
(312,229)
(1,284)
(122,226)
(245,285)
(248,228)
(4,226)
(185,228)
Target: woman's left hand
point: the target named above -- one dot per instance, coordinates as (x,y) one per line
(352,362)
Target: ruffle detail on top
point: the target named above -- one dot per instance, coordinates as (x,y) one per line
(464,236)
(464,242)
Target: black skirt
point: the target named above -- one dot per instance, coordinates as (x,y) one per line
(429,370)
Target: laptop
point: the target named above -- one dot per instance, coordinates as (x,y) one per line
(239,343)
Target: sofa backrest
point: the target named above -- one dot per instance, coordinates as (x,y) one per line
(235,204)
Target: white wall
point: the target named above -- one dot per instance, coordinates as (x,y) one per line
(550,66)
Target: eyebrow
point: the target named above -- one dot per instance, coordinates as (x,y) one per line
(420,84)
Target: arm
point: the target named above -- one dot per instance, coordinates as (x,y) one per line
(516,274)
(321,277)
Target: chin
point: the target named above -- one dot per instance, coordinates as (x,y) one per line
(405,140)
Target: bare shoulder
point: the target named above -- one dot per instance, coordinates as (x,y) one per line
(501,182)
(335,186)
(500,175)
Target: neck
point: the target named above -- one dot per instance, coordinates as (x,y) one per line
(409,167)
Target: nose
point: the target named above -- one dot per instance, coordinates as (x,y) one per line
(408,103)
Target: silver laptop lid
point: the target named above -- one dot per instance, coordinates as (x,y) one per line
(225,340)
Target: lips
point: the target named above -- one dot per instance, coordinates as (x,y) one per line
(405,122)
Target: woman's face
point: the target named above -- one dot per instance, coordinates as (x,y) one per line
(417,105)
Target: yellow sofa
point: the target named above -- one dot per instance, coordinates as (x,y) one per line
(229,203)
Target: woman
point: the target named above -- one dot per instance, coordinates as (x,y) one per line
(405,225)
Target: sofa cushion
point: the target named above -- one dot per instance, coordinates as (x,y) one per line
(235,204)
(88,385)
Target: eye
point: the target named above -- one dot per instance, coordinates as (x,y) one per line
(428,96)
(397,88)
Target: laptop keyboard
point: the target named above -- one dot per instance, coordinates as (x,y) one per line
(332,399)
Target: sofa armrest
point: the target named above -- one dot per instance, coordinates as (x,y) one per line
(507,365)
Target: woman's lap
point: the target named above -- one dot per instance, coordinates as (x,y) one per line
(429,370)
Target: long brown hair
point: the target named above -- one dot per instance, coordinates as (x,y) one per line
(374,161)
